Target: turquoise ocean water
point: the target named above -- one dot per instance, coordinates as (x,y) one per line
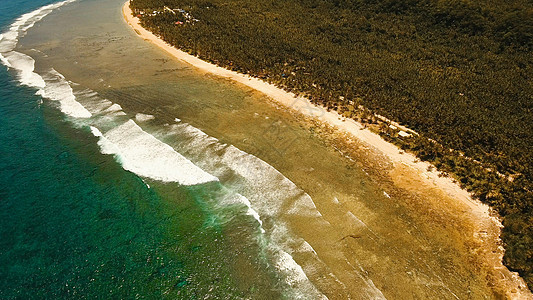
(126,174)
(74,223)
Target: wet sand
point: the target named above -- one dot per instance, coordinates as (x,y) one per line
(436,196)
(379,229)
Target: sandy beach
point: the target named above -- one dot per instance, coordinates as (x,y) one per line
(407,171)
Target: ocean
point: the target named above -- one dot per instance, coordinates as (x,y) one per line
(74,223)
(127,174)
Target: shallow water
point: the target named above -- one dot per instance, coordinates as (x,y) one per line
(149,178)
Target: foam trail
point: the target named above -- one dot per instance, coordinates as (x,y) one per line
(143,117)
(234,198)
(286,264)
(269,193)
(3,59)
(106,146)
(305,247)
(113,108)
(25,66)
(58,89)
(9,39)
(355,220)
(252,174)
(143,154)
(146,156)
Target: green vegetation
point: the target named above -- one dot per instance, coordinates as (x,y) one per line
(458,72)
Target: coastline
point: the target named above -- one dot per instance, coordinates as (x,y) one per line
(404,164)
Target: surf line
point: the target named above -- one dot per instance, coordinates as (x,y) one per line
(135,149)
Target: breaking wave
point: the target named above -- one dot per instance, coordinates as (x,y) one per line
(198,159)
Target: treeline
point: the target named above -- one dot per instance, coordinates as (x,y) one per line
(458,72)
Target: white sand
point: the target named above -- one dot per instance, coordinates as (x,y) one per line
(304,106)
(516,286)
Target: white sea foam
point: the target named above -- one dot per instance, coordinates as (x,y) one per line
(285,262)
(2,58)
(370,291)
(96,105)
(9,39)
(25,66)
(267,192)
(296,277)
(88,93)
(260,176)
(355,220)
(113,110)
(143,117)
(106,146)
(234,198)
(40,52)
(8,42)
(255,176)
(146,156)
(96,132)
(91,101)
(143,154)
(58,89)
(305,247)
(5,61)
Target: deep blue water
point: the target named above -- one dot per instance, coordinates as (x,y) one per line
(74,224)
(65,228)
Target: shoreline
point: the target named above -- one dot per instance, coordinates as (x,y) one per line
(403,163)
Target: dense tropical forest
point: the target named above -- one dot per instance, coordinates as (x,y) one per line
(458,72)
